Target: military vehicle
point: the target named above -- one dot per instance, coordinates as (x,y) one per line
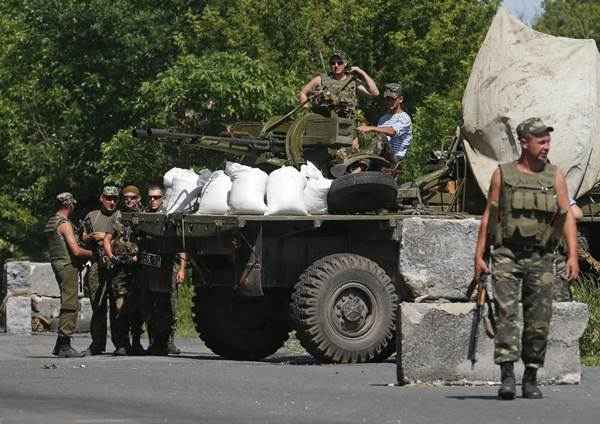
(335,278)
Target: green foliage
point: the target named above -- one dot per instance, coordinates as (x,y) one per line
(587,290)
(185,319)
(571,18)
(15,224)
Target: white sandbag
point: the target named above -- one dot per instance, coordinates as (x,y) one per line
(248,187)
(315,195)
(182,188)
(521,73)
(213,200)
(317,187)
(285,192)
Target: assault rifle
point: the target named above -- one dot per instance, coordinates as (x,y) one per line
(483,299)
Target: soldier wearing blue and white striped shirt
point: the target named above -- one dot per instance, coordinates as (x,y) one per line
(396,124)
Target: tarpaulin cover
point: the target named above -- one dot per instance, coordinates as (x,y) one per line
(521,73)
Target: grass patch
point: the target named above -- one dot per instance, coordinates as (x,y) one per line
(185,320)
(587,290)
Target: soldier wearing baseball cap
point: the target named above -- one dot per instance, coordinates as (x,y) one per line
(395,125)
(96,224)
(65,253)
(527,213)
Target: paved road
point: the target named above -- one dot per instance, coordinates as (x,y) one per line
(198,387)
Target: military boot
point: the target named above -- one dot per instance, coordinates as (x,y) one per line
(172,349)
(530,387)
(507,381)
(136,348)
(63,348)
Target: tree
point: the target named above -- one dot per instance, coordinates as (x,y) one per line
(571,18)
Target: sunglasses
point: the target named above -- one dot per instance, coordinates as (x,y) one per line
(336,62)
(155,197)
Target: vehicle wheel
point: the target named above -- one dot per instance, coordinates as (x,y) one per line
(239,327)
(362,192)
(343,309)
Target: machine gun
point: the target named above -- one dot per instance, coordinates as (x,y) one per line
(291,139)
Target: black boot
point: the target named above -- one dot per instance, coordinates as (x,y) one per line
(172,349)
(63,348)
(530,387)
(507,380)
(136,348)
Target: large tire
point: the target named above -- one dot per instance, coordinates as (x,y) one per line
(362,192)
(344,310)
(239,327)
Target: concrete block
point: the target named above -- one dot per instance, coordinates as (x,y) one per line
(436,339)
(46,310)
(436,257)
(18,315)
(23,277)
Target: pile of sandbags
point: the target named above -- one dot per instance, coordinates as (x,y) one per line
(244,190)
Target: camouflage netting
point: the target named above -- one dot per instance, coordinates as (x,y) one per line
(520,73)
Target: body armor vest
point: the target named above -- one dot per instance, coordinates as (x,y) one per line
(57,246)
(528,206)
(340,95)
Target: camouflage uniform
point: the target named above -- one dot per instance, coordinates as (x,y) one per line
(96,282)
(65,271)
(523,263)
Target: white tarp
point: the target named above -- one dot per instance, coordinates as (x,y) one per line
(521,73)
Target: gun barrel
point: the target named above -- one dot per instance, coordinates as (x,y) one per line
(160,132)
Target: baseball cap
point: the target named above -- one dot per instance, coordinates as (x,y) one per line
(392,89)
(110,191)
(533,126)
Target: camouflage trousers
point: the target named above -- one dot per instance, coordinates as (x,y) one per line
(562,286)
(96,288)
(66,276)
(525,275)
(122,303)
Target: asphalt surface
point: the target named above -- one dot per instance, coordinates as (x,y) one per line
(198,387)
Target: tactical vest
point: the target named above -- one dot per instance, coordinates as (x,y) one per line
(57,246)
(528,207)
(341,95)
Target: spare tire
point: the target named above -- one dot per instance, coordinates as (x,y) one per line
(362,192)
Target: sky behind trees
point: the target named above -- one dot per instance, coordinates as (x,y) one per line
(524,9)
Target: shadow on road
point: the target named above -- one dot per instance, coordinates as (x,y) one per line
(469,397)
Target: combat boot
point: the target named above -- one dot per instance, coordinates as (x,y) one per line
(172,349)
(136,348)
(507,381)
(63,348)
(530,387)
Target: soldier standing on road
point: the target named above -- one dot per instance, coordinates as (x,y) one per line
(65,252)
(96,224)
(396,125)
(526,212)
(338,86)
(156,272)
(122,254)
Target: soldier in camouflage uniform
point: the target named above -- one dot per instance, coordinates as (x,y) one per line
(96,224)
(161,283)
(526,213)
(122,254)
(65,254)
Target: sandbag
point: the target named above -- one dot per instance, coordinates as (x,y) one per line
(521,73)
(248,187)
(285,192)
(213,200)
(182,188)
(317,187)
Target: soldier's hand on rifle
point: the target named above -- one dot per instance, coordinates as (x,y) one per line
(180,277)
(480,267)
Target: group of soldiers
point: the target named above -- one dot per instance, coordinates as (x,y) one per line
(137,289)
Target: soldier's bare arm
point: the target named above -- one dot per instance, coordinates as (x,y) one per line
(371,88)
(569,228)
(493,196)
(107,244)
(181,274)
(308,88)
(66,230)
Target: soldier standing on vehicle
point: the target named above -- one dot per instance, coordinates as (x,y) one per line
(527,210)
(121,253)
(340,85)
(396,125)
(65,252)
(96,224)
(157,274)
